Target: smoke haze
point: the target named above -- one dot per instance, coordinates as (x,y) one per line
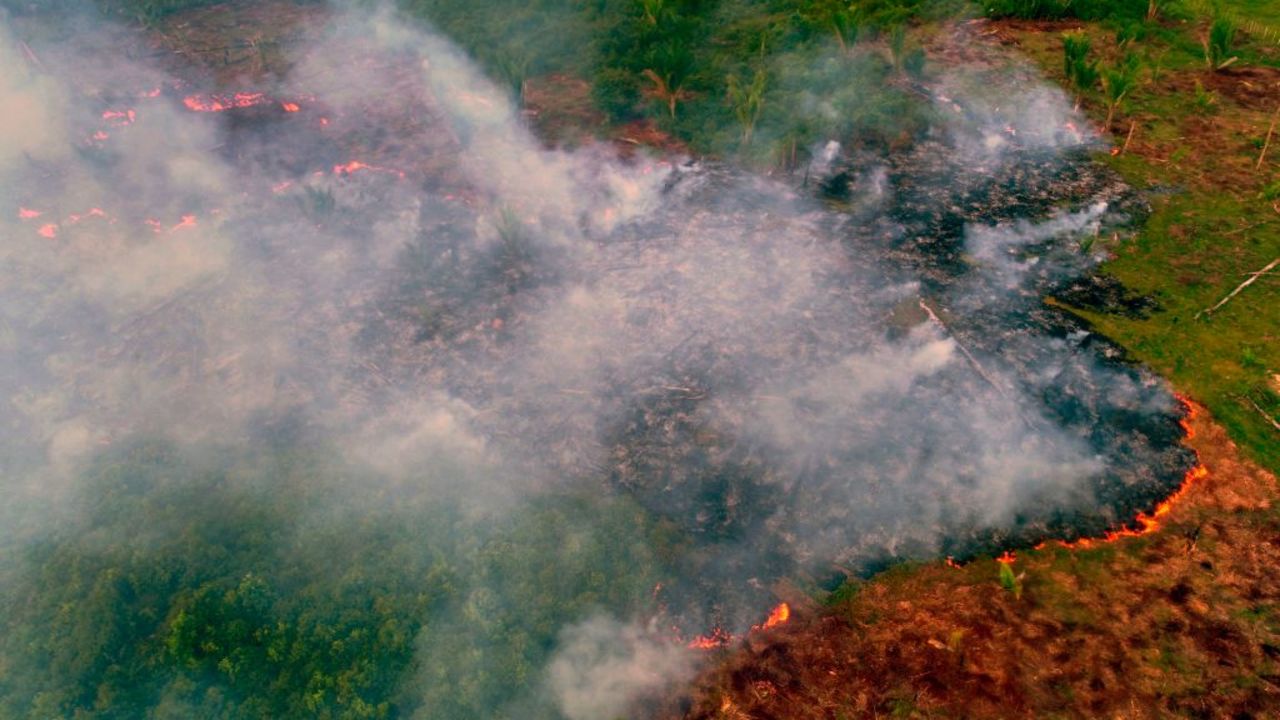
(782,377)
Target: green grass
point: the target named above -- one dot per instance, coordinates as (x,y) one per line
(1211,223)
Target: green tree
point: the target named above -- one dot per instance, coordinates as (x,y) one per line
(747,102)
(1117,82)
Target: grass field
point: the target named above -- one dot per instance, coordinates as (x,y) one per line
(1196,142)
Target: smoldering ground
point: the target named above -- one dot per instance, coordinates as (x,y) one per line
(548,381)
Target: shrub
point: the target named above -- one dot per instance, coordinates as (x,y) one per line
(1117,81)
(1218,44)
(1081,72)
(747,101)
(1008,580)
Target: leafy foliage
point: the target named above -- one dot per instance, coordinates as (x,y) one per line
(1117,82)
(1219,42)
(747,101)
(261,587)
(1079,69)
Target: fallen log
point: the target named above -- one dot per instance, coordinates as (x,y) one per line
(1253,277)
(1274,423)
(973,361)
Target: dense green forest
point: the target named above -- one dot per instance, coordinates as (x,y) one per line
(269,583)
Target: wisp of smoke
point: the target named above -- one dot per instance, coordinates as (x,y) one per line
(375,243)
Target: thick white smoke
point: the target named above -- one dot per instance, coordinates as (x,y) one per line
(401,263)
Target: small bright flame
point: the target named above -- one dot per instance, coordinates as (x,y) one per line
(221,103)
(74,218)
(119,117)
(28,214)
(1007,558)
(778,616)
(715,639)
(1150,522)
(187,221)
(356,165)
(49,230)
(290,107)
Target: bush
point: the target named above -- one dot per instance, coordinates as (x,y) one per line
(1117,82)
(1081,72)
(1218,44)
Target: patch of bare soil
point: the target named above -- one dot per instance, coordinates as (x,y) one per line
(1252,87)
(560,110)
(1010,31)
(1182,622)
(644,133)
(237,41)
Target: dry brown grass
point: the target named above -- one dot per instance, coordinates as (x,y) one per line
(1182,622)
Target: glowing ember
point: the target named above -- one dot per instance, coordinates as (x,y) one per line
(1007,558)
(356,165)
(74,218)
(290,107)
(715,639)
(222,103)
(101,135)
(187,221)
(281,186)
(49,230)
(119,117)
(28,214)
(719,637)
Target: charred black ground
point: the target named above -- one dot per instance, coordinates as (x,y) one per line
(801,377)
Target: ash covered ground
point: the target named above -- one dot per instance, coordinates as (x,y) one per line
(808,375)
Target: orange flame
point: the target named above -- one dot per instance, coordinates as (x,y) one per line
(187,221)
(1007,558)
(715,639)
(119,117)
(74,218)
(290,107)
(1150,522)
(355,165)
(221,103)
(28,214)
(49,230)
(719,637)
(778,616)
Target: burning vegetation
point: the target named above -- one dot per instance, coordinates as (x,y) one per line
(333,390)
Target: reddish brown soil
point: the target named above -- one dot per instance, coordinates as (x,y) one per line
(1182,622)
(1253,87)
